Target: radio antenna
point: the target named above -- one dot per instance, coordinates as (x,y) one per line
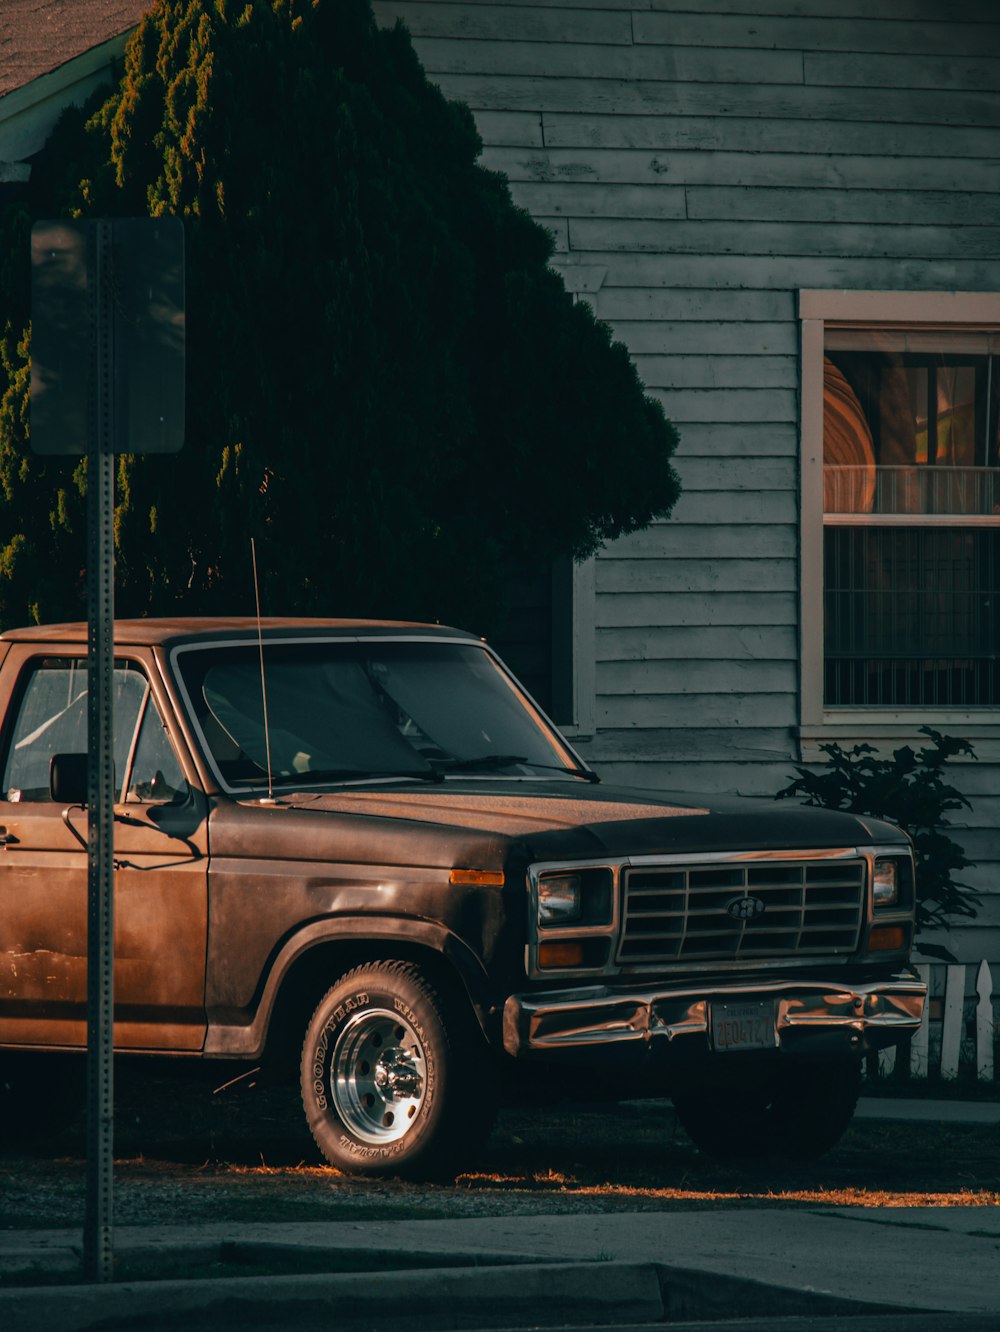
(263,687)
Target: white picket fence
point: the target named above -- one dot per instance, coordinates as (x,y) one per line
(958,1028)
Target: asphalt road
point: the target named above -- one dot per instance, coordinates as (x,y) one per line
(908,1322)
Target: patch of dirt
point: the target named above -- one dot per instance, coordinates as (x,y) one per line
(186,1151)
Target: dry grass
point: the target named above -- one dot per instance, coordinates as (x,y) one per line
(186,1154)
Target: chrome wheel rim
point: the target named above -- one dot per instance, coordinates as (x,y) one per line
(378,1076)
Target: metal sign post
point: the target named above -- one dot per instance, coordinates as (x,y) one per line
(97,1233)
(107,374)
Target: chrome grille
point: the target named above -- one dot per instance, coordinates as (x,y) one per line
(681,912)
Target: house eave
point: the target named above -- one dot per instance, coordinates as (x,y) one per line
(28,113)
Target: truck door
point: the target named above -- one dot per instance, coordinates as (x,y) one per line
(160,877)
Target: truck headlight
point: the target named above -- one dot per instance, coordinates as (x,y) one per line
(570,897)
(885,885)
(559,899)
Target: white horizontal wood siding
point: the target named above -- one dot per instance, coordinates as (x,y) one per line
(699,162)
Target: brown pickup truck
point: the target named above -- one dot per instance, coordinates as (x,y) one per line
(401,869)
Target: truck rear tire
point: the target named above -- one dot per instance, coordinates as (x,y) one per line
(797,1115)
(381,1086)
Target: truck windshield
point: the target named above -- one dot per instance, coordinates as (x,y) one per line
(342,711)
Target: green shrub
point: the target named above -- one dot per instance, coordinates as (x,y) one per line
(909,790)
(386,382)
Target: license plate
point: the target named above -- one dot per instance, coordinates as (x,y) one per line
(747,1025)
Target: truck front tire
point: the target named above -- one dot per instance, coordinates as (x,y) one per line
(381,1089)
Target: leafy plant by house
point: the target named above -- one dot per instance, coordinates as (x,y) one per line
(387,384)
(910,789)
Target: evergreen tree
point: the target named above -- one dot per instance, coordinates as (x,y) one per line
(386,384)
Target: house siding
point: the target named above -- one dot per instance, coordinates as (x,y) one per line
(699,162)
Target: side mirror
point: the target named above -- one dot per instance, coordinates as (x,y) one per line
(68,779)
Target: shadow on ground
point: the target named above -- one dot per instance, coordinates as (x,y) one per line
(186,1150)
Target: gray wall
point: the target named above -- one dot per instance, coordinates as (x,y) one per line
(700,161)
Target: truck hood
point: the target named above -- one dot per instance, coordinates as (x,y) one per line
(557,819)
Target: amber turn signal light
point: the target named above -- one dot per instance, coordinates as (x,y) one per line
(886,938)
(560,953)
(481,878)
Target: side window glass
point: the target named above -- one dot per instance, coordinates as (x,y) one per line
(156,775)
(130,689)
(52,719)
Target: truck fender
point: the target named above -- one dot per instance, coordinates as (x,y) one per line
(246,1040)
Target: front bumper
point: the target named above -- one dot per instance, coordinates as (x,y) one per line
(811,1016)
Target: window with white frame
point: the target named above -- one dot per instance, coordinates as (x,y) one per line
(901,502)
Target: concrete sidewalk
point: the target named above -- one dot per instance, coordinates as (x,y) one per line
(509,1272)
(918,1108)
(902,1108)
(541,1270)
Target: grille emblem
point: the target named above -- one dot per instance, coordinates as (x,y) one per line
(745,908)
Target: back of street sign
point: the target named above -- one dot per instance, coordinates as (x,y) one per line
(146,319)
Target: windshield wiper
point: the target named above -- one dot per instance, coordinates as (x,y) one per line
(354,774)
(487,761)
